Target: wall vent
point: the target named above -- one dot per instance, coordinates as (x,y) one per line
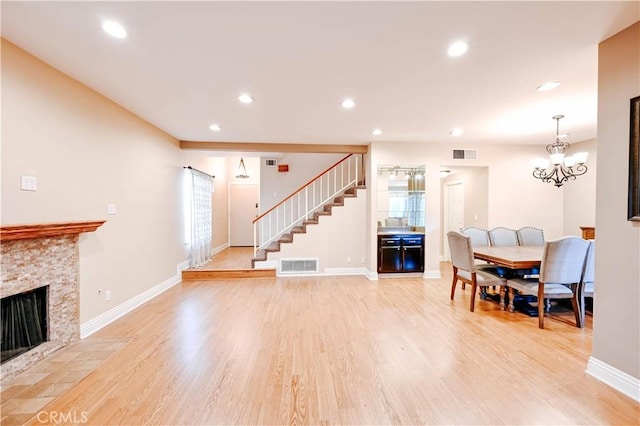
(270,162)
(297,266)
(465,154)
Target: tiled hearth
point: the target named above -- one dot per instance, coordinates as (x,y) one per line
(38,255)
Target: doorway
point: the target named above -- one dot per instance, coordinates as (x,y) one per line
(243,209)
(454,211)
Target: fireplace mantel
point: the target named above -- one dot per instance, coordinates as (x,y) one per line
(43,230)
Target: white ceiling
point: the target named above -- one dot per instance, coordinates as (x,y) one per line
(185,63)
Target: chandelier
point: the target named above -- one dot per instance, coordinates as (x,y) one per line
(242,170)
(563,167)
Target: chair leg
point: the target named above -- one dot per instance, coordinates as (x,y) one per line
(503,292)
(581,303)
(576,308)
(455,281)
(474,287)
(512,297)
(541,305)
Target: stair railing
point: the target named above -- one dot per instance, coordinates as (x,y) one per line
(311,197)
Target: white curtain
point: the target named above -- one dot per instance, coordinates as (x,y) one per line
(201,190)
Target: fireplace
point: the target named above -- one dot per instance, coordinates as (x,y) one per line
(43,256)
(24,322)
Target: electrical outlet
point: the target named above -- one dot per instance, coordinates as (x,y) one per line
(107,295)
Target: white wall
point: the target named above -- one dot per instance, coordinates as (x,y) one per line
(275,186)
(87,152)
(580,194)
(616,318)
(476,194)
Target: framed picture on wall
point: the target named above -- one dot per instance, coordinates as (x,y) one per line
(634,161)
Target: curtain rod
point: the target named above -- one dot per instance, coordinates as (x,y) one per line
(199,171)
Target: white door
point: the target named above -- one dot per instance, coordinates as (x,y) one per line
(454,207)
(243,208)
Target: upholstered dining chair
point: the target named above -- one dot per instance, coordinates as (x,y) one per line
(465,269)
(479,237)
(561,270)
(530,236)
(503,237)
(588,278)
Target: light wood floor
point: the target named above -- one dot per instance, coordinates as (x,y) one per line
(343,351)
(230,258)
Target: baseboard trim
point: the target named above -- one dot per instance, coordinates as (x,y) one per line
(432,273)
(396,275)
(266,264)
(611,376)
(345,271)
(216,250)
(371,275)
(95,324)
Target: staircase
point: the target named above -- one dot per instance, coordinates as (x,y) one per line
(304,206)
(287,238)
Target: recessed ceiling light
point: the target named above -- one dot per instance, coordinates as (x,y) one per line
(114,29)
(215,127)
(549,85)
(348,103)
(245,99)
(456,132)
(376,132)
(458,48)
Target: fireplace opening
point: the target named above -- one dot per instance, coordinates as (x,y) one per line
(24,322)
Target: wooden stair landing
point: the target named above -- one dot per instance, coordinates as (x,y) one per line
(230,263)
(225,274)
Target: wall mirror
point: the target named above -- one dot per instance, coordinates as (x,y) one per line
(401,197)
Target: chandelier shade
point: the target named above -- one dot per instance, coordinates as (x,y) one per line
(563,167)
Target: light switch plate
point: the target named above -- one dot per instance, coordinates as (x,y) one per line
(111,209)
(28,183)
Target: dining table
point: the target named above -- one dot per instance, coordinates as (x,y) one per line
(523,261)
(512,257)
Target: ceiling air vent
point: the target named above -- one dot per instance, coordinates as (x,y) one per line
(465,154)
(297,266)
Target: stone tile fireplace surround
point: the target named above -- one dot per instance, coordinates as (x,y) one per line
(40,255)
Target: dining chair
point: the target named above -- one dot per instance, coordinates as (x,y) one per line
(561,271)
(588,278)
(530,236)
(503,237)
(479,236)
(466,271)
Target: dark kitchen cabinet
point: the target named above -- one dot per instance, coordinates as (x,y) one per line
(401,253)
(389,254)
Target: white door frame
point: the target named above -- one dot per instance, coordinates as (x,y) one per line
(446,255)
